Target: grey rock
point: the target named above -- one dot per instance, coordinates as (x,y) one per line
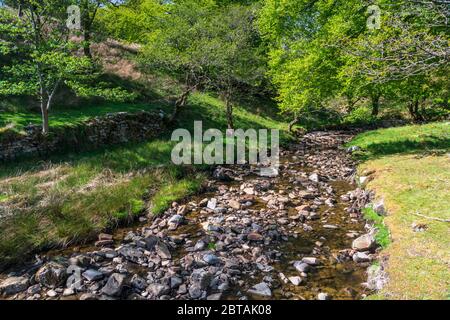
(195,291)
(360,257)
(176,219)
(379,207)
(202,278)
(157,289)
(138,282)
(216,296)
(295,280)
(311,261)
(200,245)
(261,289)
(175,282)
(301,266)
(88,296)
(52,293)
(92,275)
(212,204)
(68,292)
(364,243)
(162,250)
(34,289)
(323,296)
(314,177)
(115,285)
(51,275)
(14,285)
(130,253)
(211,259)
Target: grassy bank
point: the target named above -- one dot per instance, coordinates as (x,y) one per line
(72,197)
(412,175)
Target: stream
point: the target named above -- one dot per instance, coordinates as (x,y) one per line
(244,237)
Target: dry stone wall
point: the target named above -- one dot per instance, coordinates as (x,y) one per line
(108,130)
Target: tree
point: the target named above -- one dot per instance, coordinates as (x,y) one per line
(174,47)
(305,61)
(44,57)
(233,54)
(204,45)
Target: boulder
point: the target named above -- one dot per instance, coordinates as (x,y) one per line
(364,243)
(51,275)
(162,250)
(360,257)
(115,285)
(13,285)
(92,275)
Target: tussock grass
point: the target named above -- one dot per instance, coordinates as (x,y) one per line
(413,177)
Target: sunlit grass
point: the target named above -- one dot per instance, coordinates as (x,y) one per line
(413,180)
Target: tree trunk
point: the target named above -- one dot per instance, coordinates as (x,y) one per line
(87,44)
(179,104)
(293,122)
(20,10)
(375,105)
(414,110)
(229,107)
(45,121)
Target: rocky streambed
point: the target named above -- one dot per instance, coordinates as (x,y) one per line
(298,235)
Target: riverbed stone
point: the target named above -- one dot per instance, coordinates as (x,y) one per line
(114,285)
(379,207)
(296,281)
(261,289)
(162,250)
(158,289)
(51,275)
(301,266)
(92,275)
(311,261)
(364,243)
(360,257)
(323,296)
(211,259)
(13,285)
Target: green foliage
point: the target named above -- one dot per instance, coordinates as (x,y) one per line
(45,58)
(321,51)
(382,236)
(359,117)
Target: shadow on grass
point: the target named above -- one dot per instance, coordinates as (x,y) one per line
(431,144)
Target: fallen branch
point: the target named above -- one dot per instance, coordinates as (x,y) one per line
(431,218)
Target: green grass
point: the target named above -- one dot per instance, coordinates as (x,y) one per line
(412,175)
(173,192)
(429,138)
(382,237)
(70,198)
(60,116)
